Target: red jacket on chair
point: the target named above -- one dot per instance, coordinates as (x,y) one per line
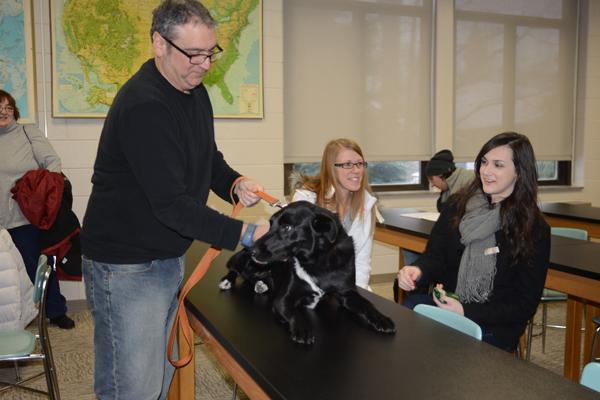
(45,199)
(39,194)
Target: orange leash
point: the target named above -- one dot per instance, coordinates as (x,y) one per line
(181,319)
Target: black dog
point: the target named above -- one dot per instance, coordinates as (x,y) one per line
(305,255)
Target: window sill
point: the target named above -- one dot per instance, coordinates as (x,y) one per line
(560,188)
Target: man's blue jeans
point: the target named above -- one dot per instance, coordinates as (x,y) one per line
(133,306)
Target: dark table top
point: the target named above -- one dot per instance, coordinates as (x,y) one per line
(581,212)
(568,255)
(423,360)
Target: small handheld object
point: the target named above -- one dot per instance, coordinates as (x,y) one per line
(438,295)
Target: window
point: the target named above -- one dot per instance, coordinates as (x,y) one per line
(384,176)
(510,65)
(515,71)
(549,172)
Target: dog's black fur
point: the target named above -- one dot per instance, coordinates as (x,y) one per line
(306,254)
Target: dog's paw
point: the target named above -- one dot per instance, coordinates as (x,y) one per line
(303,336)
(225,284)
(260,287)
(382,324)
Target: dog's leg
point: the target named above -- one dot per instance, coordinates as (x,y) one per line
(365,311)
(291,311)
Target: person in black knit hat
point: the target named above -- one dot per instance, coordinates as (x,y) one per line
(443,174)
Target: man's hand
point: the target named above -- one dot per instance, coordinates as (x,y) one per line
(246,190)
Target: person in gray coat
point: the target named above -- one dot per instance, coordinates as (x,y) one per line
(23,149)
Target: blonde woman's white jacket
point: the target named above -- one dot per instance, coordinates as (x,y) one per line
(361,234)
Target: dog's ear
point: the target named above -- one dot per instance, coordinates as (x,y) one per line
(325,225)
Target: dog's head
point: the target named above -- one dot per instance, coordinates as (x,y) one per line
(301,230)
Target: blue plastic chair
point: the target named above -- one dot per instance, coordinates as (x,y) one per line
(549,295)
(451,319)
(590,376)
(20,345)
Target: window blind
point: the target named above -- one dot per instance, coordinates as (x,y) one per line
(515,70)
(361,70)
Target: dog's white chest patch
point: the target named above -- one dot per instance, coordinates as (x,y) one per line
(302,274)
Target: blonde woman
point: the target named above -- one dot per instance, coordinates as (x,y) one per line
(342,187)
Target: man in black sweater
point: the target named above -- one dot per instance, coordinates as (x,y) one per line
(157,161)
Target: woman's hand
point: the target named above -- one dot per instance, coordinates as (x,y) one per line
(446,302)
(408,277)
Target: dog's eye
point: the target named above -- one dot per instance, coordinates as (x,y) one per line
(286,228)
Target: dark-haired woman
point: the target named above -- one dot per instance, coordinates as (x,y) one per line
(23,149)
(491,245)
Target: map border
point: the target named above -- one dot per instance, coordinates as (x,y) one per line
(31,117)
(55,86)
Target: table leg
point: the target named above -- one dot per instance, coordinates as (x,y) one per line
(239,375)
(400,265)
(572,363)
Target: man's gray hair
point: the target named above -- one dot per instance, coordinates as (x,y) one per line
(172,13)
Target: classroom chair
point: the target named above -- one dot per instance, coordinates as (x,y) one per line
(595,320)
(451,319)
(590,376)
(549,295)
(20,345)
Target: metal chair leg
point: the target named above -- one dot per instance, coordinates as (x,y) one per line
(234,391)
(544,322)
(594,344)
(17,372)
(529,339)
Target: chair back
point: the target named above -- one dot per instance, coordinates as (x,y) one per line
(40,292)
(41,279)
(590,376)
(451,319)
(573,233)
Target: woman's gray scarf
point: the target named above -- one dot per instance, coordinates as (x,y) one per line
(478,263)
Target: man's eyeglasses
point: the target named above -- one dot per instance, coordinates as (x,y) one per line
(6,109)
(350,165)
(197,59)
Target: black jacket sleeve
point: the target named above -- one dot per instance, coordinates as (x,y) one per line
(434,263)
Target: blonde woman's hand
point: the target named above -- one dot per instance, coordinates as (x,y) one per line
(408,277)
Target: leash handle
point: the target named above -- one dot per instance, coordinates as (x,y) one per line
(182,322)
(274,202)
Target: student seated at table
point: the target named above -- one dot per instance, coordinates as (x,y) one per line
(491,245)
(443,174)
(342,186)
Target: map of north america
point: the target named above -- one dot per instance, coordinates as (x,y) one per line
(101,43)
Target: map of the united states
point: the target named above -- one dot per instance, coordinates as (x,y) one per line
(99,44)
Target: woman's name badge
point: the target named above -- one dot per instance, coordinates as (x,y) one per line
(491,250)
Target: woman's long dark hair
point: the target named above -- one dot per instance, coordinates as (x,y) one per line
(519,211)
